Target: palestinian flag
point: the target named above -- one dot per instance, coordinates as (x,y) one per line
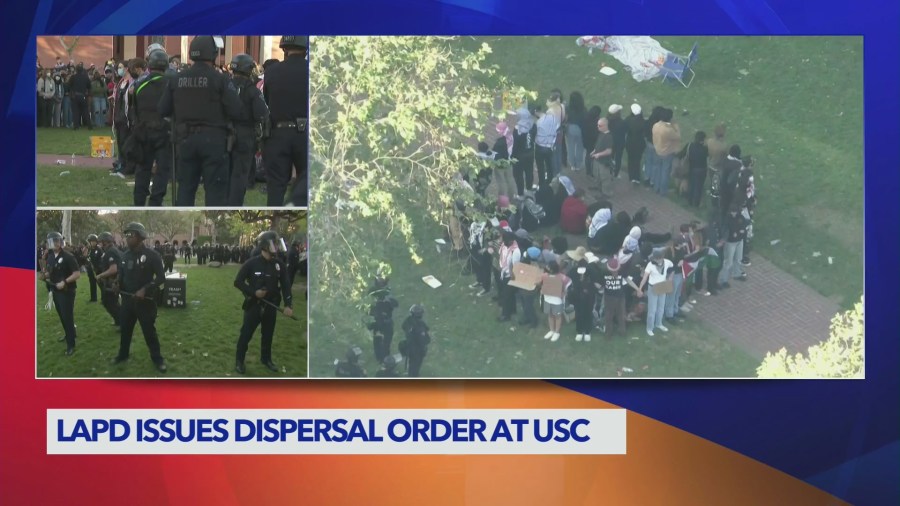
(694,262)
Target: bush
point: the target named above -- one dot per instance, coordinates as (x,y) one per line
(841,356)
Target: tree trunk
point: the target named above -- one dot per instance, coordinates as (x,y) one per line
(67,226)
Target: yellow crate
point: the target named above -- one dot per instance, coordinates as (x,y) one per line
(101,147)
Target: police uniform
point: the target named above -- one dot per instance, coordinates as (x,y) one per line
(286,90)
(383,326)
(59,267)
(350,368)
(94,267)
(141,268)
(270,275)
(109,293)
(152,134)
(203,101)
(416,344)
(253,112)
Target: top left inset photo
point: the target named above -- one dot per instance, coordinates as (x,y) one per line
(183,121)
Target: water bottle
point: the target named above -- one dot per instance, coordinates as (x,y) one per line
(73,158)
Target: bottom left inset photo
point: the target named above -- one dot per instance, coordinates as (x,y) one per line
(171,294)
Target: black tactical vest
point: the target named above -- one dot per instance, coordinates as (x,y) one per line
(198,97)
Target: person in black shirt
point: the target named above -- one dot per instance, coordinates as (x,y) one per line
(201,102)
(350,368)
(389,367)
(60,274)
(140,278)
(415,346)
(79,90)
(286,90)
(93,264)
(381,311)
(151,133)
(253,112)
(108,276)
(264,282)
(696,156)
(634,142)
(619,131)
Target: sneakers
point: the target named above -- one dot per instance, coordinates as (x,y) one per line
(475,285)
(482,293)
(660,327)
(555,337)
(587,338)
(548,335)
(742,277)
(579,337)
(650,333)
(686,308)
(746,262)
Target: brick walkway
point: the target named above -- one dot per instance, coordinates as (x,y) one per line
(769,311)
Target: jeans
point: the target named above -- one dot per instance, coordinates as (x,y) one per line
(544,156)
(99,111)
(695,188)
(664,170)
(574,147)
(651,160)
(656,306)
(731,263)
(673,301)
(67,112)
(56,116)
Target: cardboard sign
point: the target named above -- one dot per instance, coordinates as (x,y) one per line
(525,276)
(552,286)
(101,147)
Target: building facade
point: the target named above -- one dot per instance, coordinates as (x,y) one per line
(96,50)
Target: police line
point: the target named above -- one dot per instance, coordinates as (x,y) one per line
(348,432)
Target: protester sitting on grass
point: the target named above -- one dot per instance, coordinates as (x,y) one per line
(573,217)
(598,221)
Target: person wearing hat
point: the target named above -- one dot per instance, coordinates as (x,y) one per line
(264,282)
(634,142)
(201,102)
(254,114)
(93,264)
(389,365)
(108,274)
(415,346)
(286,90)
(619,131)
(152,134)
(350,368)
(140,277)
(656,274)
(61,273)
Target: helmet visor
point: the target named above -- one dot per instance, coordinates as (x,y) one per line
(53,243)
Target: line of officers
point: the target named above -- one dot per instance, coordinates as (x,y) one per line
(207,126)
(131,280)
(412,349)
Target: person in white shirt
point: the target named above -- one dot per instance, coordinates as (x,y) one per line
(545,141)
(46,90)
(656,272)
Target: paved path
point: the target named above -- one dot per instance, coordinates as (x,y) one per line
(80,161)
(769,311)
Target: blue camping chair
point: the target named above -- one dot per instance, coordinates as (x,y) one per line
(679,68)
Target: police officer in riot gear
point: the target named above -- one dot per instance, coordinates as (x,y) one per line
(151,132)
(203,102)
(351,367)
(108,276)
(140,278)
(61,273)
(382,313)
(389,367)
(415,347)
(264,282)
(254,114)
(286,90)
(93,264)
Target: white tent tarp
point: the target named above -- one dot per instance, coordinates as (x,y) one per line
(641,55)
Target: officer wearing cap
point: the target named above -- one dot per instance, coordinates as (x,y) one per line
(415,347)
(264,282)
(108,275)
(286,90)
(381,311)
(140,277)
(60,273)
(151,132)
(202,102)
(254,114)
(93,264)
(350,368)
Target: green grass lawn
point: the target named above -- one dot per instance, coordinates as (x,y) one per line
(469,342)
(65,141)
(95,187)
(198,341)
(794,103)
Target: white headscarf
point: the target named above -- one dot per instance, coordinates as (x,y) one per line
(600,219)
(635,234)
(567,184)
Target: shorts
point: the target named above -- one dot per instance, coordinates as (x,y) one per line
(553,309)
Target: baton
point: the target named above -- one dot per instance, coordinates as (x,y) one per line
(279,309)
